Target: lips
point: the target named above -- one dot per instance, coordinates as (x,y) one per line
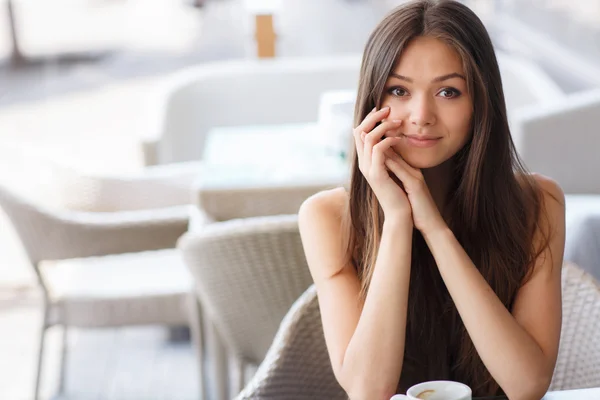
(422,137)
(421,140)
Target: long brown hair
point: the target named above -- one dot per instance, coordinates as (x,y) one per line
(493,204)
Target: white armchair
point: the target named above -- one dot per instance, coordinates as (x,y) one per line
(102,269)
(55,183)
(562,140)
(297,365)
(247,273)
(154,187)
(248,92)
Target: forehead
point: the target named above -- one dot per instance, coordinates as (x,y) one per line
(428,57)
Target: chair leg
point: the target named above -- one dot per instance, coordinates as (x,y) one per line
(199,341)
(40,363)
(241,376)
(219,366)
(63,359)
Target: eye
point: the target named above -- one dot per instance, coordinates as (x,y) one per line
(397,91)
(449,93)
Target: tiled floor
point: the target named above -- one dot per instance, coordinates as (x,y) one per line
(119,364)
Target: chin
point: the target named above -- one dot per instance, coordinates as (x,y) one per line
(421,161)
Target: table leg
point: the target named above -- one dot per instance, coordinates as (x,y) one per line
(16,57)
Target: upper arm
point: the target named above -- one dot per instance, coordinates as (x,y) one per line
(538,305)
(336,281)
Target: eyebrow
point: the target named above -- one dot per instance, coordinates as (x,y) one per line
(438,79)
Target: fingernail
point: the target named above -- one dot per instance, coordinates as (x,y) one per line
(386,108)
(396,121)
(374,108)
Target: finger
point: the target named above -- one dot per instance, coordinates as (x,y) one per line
(358,141)
(378,155)
(372,119)
(376,135)
(373,137)
(359,136)
(415,172)
(400,171)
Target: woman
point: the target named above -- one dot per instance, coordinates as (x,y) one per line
(443,259)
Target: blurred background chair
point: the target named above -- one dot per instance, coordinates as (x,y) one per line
(102,269)
(199,98)
(247,273)
(232,203)
(561,140)
(52,182)
(578,364)
(297,365)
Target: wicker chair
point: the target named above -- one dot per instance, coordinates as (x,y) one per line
(297,366)
(35,175)
(223,204)
(78,256)
(247,273)
(578,364)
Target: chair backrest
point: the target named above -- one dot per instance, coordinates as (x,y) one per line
(297,366)
(31,224)
(249,92)
(247,273)
(578,364)
(151,188)
(226,204)
(539,135)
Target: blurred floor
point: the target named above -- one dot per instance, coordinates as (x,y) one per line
(111,364)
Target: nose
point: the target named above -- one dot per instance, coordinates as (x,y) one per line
(422,112)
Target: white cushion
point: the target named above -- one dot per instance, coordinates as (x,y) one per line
(150,273)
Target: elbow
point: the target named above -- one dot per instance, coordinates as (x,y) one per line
(370,392)
(533,389)
(364,381)
(368,387)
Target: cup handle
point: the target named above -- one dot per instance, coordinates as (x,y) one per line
(399,397)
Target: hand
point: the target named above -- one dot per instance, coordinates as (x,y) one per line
(425,214)
(371,161)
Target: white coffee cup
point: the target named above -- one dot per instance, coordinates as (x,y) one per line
(437,390)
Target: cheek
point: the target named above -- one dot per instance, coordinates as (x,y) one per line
(458,122)
(397,111)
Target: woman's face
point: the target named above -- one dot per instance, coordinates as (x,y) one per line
(428,91)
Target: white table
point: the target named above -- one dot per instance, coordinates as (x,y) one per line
(265,170)
(269,156)
(580,394)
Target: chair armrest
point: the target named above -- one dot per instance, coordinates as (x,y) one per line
(151,188)
(297,364)
(64,235)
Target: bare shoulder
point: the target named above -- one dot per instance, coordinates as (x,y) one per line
(551,190)
(551,224)
(553,198)
(330,202)
(320,221)
(553,202)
